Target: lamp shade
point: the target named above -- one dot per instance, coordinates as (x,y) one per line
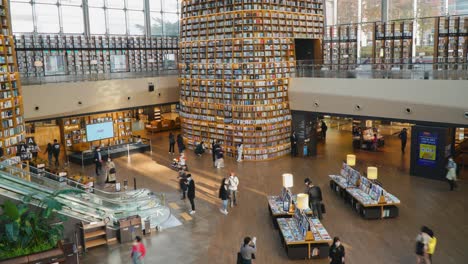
(302,201)
(288,180)
(351,159)
(38,64)
(372,173)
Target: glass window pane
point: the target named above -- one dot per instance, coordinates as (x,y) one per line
(71,2)
(54,65)
(371,10)
(171,24)
(72,19)
(425,40)
(400,9)
(97,23)
(96,3)
(135,4)
(155,5)
(47,19)
(347,11)
(115,3)
(46,1)
(22,20)
(116,20)
(156,24)
(426,9)
(170,6)
(136,22)
(329,16)
(458,7)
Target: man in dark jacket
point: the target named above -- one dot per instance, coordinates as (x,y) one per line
(191,192)
(171,143)
(403,135)
(56,152)
(324,129)
(98,160)
(293,140)
(315,198)
(180,143)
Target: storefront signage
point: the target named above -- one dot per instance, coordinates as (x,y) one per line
(427,142)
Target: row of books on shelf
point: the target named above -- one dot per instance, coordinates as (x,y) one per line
(10,122)
(8,85)
(12,135)
(197,17)
(238,128)
(234,84)
(207,131)
(185,96)
(93,42)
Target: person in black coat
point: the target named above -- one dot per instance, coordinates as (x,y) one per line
(403,135)
(336,254)
(324,129)
(315,198)
(213,147)
(191,192)
(98,160)
(183,182)
(293,139)
(171,143)
(180,143)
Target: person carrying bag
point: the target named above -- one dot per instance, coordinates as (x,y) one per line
(247,251)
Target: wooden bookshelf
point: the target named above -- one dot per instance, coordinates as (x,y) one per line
(451,42)
(236,60)
(393,44)
(135,54)
(11,101)
(340,47)
(74,129)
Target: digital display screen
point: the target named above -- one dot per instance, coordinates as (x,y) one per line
(427,143)
(99,131)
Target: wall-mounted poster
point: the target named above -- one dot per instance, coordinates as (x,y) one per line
(427,142)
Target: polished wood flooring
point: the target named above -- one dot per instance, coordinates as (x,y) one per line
(211,237)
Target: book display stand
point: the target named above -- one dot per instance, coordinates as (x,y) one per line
(236,60)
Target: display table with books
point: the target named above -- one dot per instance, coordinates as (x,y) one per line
(279,206)
(304,237)
(368,198)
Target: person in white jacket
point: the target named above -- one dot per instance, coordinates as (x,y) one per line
(233,182)
(240,150)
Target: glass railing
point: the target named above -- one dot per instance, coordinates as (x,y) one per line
(90,205)
(387,70)
(95,77)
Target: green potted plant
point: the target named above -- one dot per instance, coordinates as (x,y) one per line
(26,230)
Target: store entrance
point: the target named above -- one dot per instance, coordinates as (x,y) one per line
(308,50)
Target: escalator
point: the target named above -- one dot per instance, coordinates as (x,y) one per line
(18,180)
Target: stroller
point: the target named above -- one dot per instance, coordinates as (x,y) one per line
(180,163)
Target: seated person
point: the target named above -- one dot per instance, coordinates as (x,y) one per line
(200,149)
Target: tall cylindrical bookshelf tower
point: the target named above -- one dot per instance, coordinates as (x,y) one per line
(236,60)
(11,101)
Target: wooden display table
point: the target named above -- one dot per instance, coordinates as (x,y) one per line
(294,241)
(365,198)
(370,208)
(275,207)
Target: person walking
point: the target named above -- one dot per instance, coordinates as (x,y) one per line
(56,151)
(191,192)
(315,198)
(293,140)
(110,171)
(247,251)
(403,135)
(224,195)
(240,150)
(138,251)
(324,130)
(50,152)
(171,143)
(336,255)
(35,150)
(422,241)
(180,143)
(98,160)
(183,182)
(431,245)
(233,182)
(213,152)
(452,173)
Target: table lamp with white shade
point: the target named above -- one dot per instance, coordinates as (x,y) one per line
(288,180)
(372,173)
(302,201)
(351,159)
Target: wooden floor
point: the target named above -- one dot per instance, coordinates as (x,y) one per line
(211,237)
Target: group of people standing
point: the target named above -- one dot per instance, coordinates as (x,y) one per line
(187,187)
(110,170)
(53,150)
(173,141)
(228,191)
